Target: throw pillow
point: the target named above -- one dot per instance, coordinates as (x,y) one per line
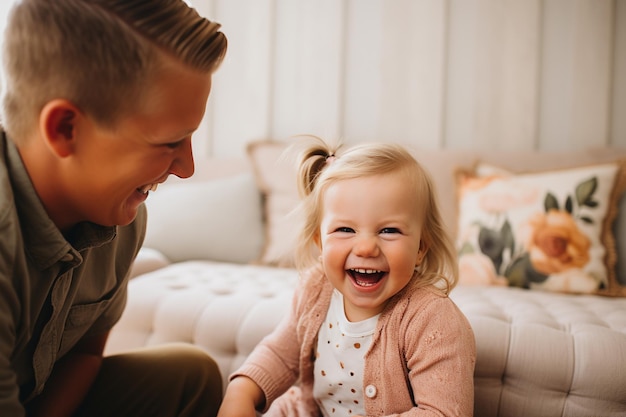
(276,178)
(218,220)
(543,230)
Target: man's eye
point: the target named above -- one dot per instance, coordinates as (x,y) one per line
(344,230)
(390,230)
(174,145)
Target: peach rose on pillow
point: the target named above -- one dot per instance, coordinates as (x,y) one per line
(478,269)
(555,243)
(571,281)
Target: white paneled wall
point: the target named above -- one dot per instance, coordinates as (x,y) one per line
(498,74)
(503,74)
(618,85)
(493,64)
(576,70)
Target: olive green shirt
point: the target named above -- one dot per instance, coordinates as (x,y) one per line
(53,290)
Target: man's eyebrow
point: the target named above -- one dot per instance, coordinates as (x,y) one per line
(181,135)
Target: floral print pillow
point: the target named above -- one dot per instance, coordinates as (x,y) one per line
(548,230)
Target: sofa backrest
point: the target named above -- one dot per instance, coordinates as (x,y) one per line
(441,164)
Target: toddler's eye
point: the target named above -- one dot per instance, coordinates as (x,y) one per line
(390,230)
(344,230)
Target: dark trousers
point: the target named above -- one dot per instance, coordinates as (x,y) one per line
(175,380)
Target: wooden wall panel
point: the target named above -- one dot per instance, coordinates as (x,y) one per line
(394,71)
(363,76)
(308,71)
(618,115)
(576,74)
(496,74)
(203,138)
(241,98)
(492,82)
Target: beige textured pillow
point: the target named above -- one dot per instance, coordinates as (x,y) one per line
(276,178)
(216,220)
(548,230)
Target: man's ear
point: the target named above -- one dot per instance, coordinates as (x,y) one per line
(57,124)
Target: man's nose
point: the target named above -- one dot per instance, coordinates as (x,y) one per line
(183,165)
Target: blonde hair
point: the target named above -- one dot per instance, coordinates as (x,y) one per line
(321,165)
(99,54)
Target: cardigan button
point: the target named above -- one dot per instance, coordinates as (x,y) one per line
(370,391)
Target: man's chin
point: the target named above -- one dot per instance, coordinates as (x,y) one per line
(123,218)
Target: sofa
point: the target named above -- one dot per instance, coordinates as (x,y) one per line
(216,269)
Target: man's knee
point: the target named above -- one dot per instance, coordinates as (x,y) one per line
(201,387)
(168,380)
(201,369)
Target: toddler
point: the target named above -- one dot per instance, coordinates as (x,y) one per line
(371,330)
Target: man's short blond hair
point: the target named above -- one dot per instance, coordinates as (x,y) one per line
(99,54)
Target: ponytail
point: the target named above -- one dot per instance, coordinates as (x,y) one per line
(315,156)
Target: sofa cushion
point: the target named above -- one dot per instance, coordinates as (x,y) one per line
(546,354)
(547,230)
(276,178)
(538,353)
(218,219)
(225,308)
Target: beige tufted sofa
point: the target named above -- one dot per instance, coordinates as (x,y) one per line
(201,278)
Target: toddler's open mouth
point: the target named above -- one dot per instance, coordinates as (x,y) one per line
(366,277)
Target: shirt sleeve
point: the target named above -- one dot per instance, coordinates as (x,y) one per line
(9,391)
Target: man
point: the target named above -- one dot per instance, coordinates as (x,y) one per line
(100,99)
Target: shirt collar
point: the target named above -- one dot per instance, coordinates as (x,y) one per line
(43,241)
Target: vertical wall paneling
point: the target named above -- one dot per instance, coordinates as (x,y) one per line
(241,96)
(202,138)
(492,82)
(618,117)
(576,73)
(496,74)
(394,71)
(413,72)
(308,68)
(362,80)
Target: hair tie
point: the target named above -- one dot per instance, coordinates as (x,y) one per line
(330,158)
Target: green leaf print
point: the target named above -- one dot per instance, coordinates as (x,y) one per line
(584,192)
(550,203)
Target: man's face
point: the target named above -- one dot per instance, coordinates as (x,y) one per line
(113,168)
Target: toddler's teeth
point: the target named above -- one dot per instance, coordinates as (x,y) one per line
(154,187)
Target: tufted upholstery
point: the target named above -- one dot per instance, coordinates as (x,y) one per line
(546,354)
(539,354)
(225,308)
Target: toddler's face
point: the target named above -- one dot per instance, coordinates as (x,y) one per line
(370,240)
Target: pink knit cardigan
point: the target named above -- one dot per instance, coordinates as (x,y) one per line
(420,363)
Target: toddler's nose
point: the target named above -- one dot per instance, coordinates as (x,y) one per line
(366,247)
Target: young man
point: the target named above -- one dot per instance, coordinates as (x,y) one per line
(100,99)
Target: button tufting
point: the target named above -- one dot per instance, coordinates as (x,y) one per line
(370,391)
